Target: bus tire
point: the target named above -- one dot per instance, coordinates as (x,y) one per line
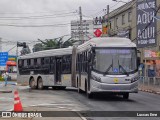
(79,90)
(53,87)
(40,84)
(32,83)
(45,87)
(63,87)
(126,95)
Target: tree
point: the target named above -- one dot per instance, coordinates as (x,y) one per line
(68,43)
(52,44)
(37,47)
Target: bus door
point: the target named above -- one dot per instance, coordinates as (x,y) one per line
(58,70)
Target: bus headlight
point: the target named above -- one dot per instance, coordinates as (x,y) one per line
(134,79)
(98,79)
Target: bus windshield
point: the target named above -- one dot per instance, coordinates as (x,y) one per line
(115,60)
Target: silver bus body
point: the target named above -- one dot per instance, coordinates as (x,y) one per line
(82,74)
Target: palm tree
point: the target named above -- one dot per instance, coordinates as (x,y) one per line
(53,44)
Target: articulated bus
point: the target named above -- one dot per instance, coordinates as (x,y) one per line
(100,65)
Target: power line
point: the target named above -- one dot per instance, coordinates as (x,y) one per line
(36,17)
(101,11)
(23,13)
(51,25)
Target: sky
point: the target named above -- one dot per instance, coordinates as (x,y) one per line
(29,20)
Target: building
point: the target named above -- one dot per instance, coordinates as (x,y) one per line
(120,21)
(135,21)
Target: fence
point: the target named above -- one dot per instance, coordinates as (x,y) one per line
(149,84)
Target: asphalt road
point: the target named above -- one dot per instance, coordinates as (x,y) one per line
(71,100)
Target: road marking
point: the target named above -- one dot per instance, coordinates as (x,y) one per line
(5,98)
(54,104)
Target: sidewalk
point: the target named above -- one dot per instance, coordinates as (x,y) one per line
(149,85)
(7,89)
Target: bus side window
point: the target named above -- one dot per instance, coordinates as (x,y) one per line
(32,63)
(35,62)
(25,63)
(52,65)
(63,64)
(42,61)
(38,61)
(46,61)
(20,63)
(28,62)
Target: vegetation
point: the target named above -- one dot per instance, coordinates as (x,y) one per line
(52,44)
(1,79)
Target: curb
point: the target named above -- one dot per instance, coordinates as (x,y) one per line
(150,91)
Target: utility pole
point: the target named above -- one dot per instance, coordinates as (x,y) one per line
(108,23)
(81,37)
(17,50)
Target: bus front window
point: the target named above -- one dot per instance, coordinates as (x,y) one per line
(115,61)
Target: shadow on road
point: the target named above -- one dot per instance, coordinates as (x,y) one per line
(108,97)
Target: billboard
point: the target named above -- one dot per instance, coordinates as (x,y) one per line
(146,23)
(3,58)
(124,33)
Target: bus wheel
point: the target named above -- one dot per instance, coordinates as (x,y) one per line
(126,95)
(63,87)
(45,87)
(79,90)
(32,83)
(40,84)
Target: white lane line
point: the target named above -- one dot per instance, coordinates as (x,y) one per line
(4,98)
(53,104)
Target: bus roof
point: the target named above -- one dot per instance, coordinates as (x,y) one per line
(97,42)
(48,53)
(107,42)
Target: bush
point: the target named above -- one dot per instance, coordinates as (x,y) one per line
(1,79)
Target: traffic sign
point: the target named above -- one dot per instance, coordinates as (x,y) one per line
(3,58)
(98,33)
(115,70)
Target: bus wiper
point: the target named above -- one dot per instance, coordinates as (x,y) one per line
(106,72)
(124,70)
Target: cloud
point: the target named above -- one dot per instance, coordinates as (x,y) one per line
(24,8)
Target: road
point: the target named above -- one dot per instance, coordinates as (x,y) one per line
(71,100)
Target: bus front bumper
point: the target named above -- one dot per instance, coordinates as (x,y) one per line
(118,88)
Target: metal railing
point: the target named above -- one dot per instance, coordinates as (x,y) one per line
(151,84)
